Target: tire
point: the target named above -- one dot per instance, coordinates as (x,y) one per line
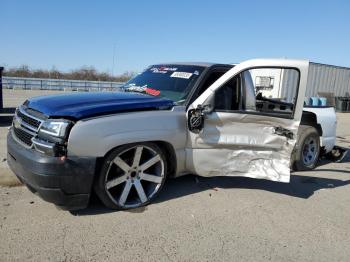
(307,149)
(131,176)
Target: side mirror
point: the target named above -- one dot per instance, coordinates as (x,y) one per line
(196,117)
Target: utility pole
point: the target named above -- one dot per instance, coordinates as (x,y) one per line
(113,63)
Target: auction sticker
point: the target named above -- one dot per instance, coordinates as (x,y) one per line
(184,75)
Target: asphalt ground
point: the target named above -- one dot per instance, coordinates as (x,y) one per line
(194,219)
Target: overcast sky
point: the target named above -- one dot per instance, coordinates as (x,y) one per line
(71,34)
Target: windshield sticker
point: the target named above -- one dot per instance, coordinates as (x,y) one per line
(184,75)
(152,92)
(163,69)
(134,88)
(142,89)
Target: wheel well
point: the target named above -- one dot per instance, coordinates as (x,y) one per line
(310,119)
(170,155)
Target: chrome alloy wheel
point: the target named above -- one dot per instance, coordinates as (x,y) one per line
(309,152)
(134,176)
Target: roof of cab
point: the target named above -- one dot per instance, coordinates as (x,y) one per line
(203,64)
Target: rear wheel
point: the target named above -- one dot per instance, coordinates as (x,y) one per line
(307,149)
(131,176)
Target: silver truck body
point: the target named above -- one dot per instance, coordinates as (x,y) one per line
(124,145)
(231,144)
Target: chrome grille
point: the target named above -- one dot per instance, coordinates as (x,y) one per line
(28,120)
(25,126)
(23,136)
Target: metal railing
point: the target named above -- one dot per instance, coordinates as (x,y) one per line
(58,84)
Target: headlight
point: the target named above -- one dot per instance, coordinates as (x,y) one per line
(55,127)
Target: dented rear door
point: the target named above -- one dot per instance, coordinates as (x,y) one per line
(254,134)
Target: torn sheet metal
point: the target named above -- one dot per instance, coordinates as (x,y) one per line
(235,144)
(337,154)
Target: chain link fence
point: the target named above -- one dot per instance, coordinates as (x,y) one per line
(58,84)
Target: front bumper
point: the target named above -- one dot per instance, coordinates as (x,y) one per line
(66,183)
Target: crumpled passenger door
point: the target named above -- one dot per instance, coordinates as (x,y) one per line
(254,134)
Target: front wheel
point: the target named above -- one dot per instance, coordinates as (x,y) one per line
(131,176)
(307,149)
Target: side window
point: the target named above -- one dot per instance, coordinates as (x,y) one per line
(269,91)
(273,89)
(210,80)
(227,98)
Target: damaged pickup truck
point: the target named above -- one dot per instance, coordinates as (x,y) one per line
(170,120)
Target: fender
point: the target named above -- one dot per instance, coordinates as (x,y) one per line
(108,132)
(327,119)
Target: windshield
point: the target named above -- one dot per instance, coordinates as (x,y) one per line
(169,81)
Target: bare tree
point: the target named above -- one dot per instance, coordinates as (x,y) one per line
(88,73)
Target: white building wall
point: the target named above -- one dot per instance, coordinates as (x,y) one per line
(276,74)
(327,78)
(322,78)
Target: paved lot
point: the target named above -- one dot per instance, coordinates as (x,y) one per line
(194,219)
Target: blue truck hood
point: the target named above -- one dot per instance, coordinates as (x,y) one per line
(83,105)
